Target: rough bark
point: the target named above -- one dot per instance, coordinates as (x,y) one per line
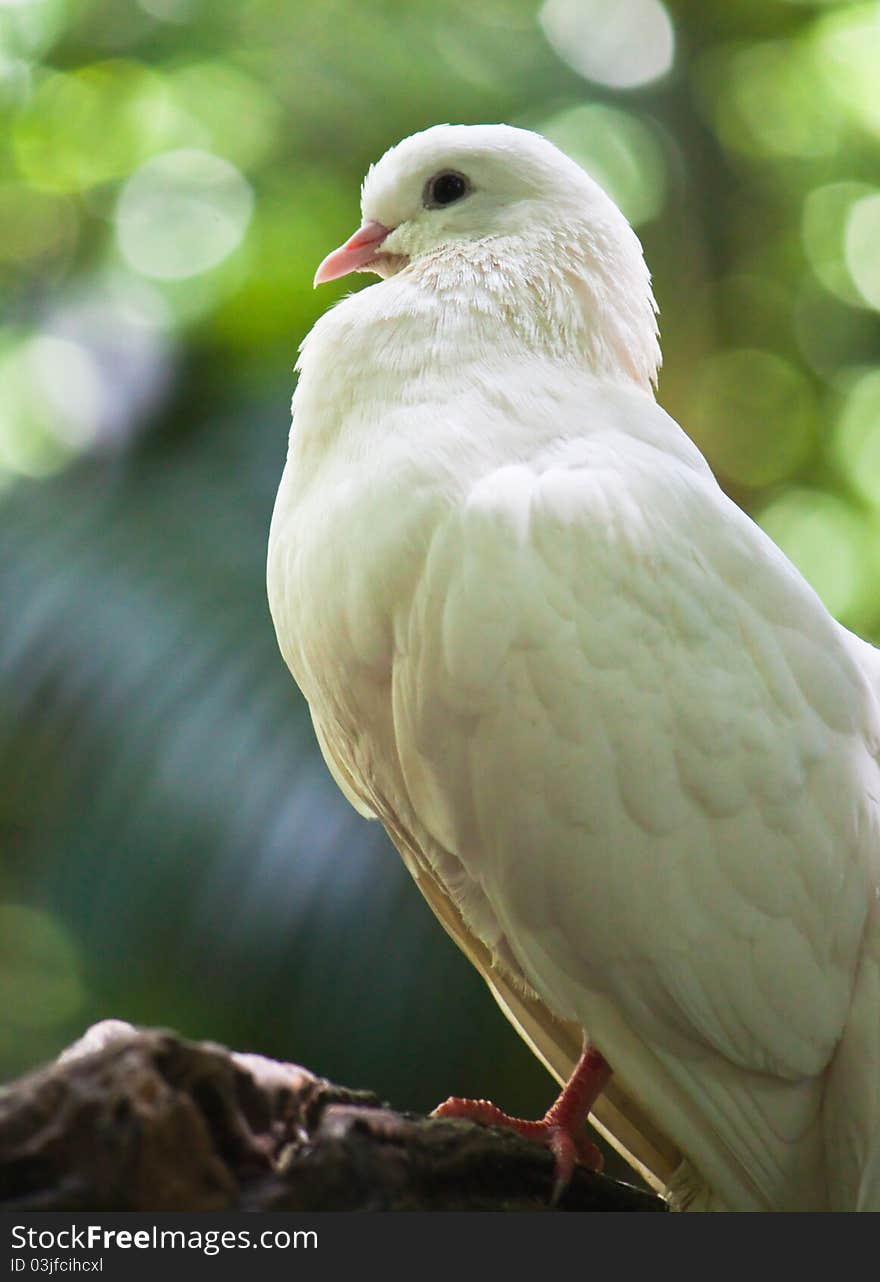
(141,1120)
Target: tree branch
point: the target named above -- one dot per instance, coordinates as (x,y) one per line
(142,1120)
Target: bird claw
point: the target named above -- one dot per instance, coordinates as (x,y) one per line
(570,1151)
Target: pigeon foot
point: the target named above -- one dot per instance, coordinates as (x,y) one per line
(561,1129)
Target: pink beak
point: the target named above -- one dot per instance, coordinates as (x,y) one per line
(355,255)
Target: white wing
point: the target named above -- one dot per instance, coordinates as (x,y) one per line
(625,713)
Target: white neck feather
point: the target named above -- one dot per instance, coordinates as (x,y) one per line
(574,296)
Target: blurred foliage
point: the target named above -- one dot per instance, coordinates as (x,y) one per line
(171,171)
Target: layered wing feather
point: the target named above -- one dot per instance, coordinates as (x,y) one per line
(631,720)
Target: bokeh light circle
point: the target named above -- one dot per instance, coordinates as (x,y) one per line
(616,148)
(823,228)
(181,214)
(857,435)
(40,983)
(825,538)
(862,248)
(754,415)
(622,45)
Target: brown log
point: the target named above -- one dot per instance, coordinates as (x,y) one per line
(141,1120)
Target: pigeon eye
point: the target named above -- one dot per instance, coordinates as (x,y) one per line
(445,189)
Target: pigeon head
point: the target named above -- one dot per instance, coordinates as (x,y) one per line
(504,207)
(456,183)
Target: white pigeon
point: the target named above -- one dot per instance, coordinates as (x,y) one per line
(624,750)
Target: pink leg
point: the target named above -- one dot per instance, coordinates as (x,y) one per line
(561,1129)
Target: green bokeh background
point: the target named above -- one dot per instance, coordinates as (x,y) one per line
(171,172)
